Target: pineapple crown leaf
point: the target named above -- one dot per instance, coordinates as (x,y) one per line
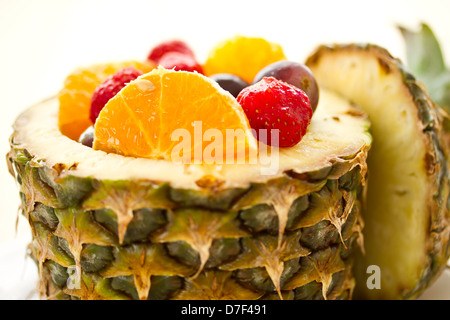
(425,59)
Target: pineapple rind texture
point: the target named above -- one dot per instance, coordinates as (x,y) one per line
(347,70)
(292,237)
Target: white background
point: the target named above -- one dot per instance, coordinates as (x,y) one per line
(41,41)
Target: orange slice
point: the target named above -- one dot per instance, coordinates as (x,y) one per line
(242,56)
(175,115)
(75,96)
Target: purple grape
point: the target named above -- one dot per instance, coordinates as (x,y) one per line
(87,137)
(293,73)
(230,82)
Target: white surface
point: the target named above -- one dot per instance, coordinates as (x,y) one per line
(18,273)
(42,41)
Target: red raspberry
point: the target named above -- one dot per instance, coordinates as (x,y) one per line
(109,88)
(180,61)
(169,46)
(274,104)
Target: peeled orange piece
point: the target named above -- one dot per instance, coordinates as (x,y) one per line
(177,116)
(242,56)
(75,96)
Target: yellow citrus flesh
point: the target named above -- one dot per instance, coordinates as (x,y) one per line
(242,56)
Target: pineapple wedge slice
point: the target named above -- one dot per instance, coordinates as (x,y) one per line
(407,222)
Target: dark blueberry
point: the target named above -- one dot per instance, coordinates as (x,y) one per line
(87,137)
(233,84)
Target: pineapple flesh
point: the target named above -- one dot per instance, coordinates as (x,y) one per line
(406,209)
(110,227)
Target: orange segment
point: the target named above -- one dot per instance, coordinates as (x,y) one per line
(75,96)
(175,115)
(242,56)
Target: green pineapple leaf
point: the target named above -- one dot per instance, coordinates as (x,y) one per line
(425,60)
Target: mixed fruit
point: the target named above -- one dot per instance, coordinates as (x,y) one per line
(267,92)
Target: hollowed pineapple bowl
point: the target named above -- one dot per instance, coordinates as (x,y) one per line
(366,186)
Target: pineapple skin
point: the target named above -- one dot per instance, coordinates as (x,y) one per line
(292,237)
(430,120)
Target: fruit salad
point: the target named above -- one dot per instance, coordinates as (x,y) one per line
(269,94)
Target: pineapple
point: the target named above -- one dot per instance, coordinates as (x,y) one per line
(107,226)
(407,222)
